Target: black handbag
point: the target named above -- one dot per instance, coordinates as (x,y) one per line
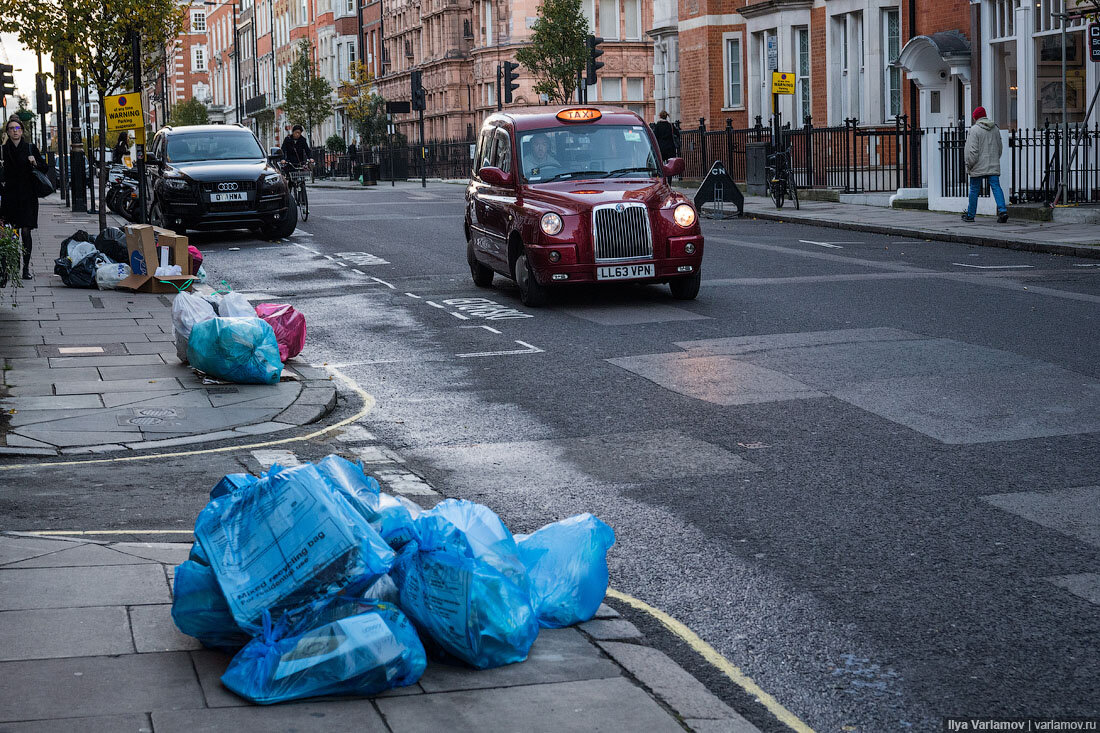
(42,184)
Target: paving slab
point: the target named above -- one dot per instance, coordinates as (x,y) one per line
(14,440)
(262,428)
(186,440)
(150,347)
(14,548)
(77,438)
(159,369)
(45,633)
(95,686)
(138,723)
(558,655)
(169,553)
(52,402)
(739,725)
(118,585)
(337,716)
(80,556)
(591,706)
(105,361)
(154,630)
(609,629)
(121,385)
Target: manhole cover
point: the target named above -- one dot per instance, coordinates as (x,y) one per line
(146,420)
(154,412)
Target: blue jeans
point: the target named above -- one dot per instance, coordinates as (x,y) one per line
(998,194)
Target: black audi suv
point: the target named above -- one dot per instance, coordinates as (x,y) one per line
(217,177)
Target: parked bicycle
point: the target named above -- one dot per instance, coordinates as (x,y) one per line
(781,183)
(297,175)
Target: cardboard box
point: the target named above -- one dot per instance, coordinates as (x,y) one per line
(143,243)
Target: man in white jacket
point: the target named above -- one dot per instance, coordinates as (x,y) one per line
(983,160)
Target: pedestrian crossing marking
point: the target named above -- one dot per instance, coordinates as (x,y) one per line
(268,458)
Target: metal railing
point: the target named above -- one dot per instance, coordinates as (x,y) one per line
(850,158)
(1037,165)
(437,159)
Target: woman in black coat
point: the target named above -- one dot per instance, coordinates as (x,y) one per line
(19,206)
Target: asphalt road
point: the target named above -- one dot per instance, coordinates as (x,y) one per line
(861,467)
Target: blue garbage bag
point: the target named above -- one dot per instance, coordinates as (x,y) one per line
(199,608)
(464,586)
(286,540)
(231,482)
(567,564)
(394,520)
(349,479)
(242,350)
(344,647)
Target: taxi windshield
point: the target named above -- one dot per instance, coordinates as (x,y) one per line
(586,151)
(228,145)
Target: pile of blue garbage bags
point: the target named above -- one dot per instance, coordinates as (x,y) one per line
(321,584)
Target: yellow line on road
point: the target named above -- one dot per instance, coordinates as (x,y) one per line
(89,532)
(711,655)
(368,405)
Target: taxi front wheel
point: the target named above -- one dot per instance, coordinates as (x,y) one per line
(686,288)
(531,293)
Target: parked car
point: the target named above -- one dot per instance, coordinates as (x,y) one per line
(217,177)
(569,195)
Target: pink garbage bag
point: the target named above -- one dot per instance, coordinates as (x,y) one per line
(289,326)
(196,258)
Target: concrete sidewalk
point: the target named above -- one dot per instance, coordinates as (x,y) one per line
(1079,240)
(87,644)
(91,371)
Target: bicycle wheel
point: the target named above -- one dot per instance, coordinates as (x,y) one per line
(305,203)
(793,190)
(777,192)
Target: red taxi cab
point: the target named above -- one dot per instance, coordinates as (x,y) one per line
(564,195)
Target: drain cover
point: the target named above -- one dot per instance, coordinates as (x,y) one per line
(154,412)
(145,420)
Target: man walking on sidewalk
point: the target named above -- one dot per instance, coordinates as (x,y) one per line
(983,160)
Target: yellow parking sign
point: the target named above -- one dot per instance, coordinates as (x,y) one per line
(782,82)
(124,112)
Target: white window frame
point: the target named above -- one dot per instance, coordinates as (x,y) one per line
(487,21)
(198,58)
(613,33)
(640,83)
(802,108)
(887,113)
(616,81)
(198,18)
(727,99)
(638,19)
(349,7)
(588,9)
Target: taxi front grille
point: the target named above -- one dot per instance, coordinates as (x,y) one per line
(621,232)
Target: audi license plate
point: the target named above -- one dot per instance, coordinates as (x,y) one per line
(218,198)
(623,272)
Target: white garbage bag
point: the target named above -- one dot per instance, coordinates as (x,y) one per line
(80,250)
(187,310)
(107,277)
(235,305)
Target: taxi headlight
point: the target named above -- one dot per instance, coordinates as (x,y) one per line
(551,223)
(684,215)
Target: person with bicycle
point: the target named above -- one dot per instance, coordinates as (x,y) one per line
(296,148)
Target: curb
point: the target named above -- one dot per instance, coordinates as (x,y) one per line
(1072,250)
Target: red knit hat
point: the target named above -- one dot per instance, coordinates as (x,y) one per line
(979,113)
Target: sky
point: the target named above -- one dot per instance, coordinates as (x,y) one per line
(13,52)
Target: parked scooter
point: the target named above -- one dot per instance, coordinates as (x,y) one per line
(122,196)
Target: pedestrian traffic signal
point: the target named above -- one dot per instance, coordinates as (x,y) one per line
(593,65)
(419,102)
(42,94)
(511,79)
(7,82)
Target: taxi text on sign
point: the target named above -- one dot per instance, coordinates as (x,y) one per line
(782,82)
(124,112)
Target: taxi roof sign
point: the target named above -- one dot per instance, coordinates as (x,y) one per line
(124,112)
(579,114)
(782,82)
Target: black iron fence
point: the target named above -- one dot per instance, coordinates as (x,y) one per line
(436,159)
(1037,165)
(850,158)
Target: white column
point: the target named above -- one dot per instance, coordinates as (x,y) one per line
(986,13)
(1025,65)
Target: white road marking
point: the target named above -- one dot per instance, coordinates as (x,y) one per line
(413,296)
(459,315)
(342,264)
(1088,265)
(994,267)
(384,283)
(822,244)
(358,272)
(490,328)
(268,458)
(302,246)
(356,434)
(300,233)
(433,304)
(362,258)
(528,350)
(485,308)
(315,252)
(329,257)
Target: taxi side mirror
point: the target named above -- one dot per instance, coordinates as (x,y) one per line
(674,167)
(495,176)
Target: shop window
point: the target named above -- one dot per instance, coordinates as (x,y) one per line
(1048,68)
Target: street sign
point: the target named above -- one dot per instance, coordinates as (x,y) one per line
(124,112)
(399,107)
(773,53)
(1094,41)
(782,82)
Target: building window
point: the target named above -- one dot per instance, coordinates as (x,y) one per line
(198,58)
(731,65)
(802,75)
(588,7)
(891,77)
(487,22)
(609,19)
(635,89)
(632,20)
(350,7)
(1048,88)
(611,89)
(198,21)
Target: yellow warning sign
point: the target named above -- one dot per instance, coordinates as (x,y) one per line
(782,82)
(124,112)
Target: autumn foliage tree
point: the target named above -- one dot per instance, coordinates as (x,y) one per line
(557,48)
(308,94)
(93,37)
(363,106)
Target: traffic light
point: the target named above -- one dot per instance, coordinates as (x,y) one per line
(418,99)
(42,94)
(511,79)
(593,65)
(7,82)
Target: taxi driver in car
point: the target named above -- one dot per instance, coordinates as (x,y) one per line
(538,160)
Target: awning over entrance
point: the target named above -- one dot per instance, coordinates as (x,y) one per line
(931,60)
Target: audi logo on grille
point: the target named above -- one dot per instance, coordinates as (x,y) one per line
(227,186)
